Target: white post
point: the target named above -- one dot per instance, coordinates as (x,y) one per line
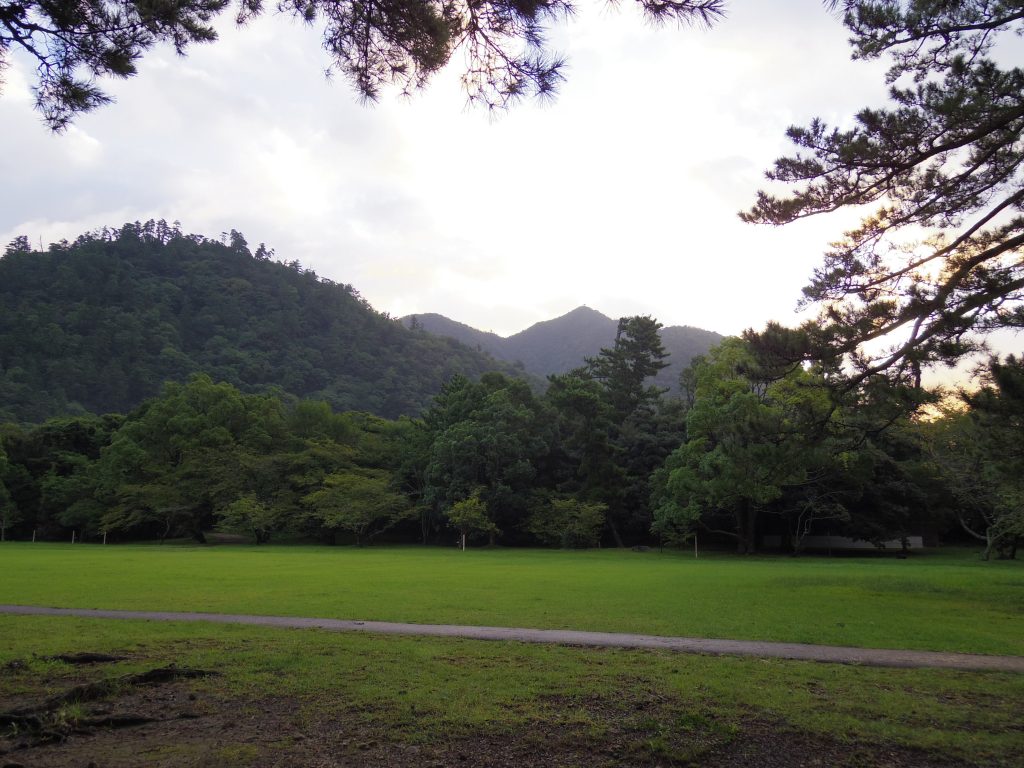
(104,537)
(33,535)
(695,546)
(72,535)
(463,542)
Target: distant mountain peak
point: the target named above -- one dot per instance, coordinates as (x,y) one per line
(583,309)
(563,343)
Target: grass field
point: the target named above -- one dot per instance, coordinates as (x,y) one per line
(286,697)
(309,698)
(936,601)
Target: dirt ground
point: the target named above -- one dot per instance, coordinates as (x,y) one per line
(174,717)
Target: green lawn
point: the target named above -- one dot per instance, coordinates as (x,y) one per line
(939,601)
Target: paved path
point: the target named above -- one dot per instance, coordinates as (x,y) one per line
(876,657)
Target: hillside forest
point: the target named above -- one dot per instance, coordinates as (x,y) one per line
(97,326)
(222,402)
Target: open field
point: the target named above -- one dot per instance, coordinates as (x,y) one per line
(936,601)
(285,697)
(308,698)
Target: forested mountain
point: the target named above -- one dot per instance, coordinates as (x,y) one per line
(439,325)
(561,344)
(99,324)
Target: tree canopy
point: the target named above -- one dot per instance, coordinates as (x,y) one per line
(752,457)
(74,45)
(938,263)
(978,449)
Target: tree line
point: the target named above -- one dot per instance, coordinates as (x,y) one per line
(602,457)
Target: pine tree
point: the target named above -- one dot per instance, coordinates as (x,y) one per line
(938,264)
(390,42)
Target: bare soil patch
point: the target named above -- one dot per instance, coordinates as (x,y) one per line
(172,717)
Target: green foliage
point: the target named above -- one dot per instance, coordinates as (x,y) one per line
(411,475)
(489,437)
(400,43)
(615,426)
(597,434)
(893,490)
(204,454)
(9,514)
(750,438)
(470,516)
(100,324)
(247,513)
(51,475)
(359,501)
(586,426)
(568,523)
(939,259)
(75,43)
(180,457)
(624,369)
(981,457)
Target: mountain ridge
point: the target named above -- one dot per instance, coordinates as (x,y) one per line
(562,343)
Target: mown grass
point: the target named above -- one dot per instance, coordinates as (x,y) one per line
(425,690)
(950,602)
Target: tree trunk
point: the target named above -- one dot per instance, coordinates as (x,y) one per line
(1007,550)
(746,529)
(987,538)
(615,533)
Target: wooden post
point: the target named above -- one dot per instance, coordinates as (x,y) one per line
(33,535)
(695,546)
(463,542)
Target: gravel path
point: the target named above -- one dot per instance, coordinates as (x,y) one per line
(877,657)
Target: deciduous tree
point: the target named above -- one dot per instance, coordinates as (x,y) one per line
(251,515)
(362,502)
(980,454)
(568,523)
(487,436)
(750,437)
(180,457)
(470,515)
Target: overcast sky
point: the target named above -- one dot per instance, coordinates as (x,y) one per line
(622,194)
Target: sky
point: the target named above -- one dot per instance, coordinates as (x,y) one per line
(622,194)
